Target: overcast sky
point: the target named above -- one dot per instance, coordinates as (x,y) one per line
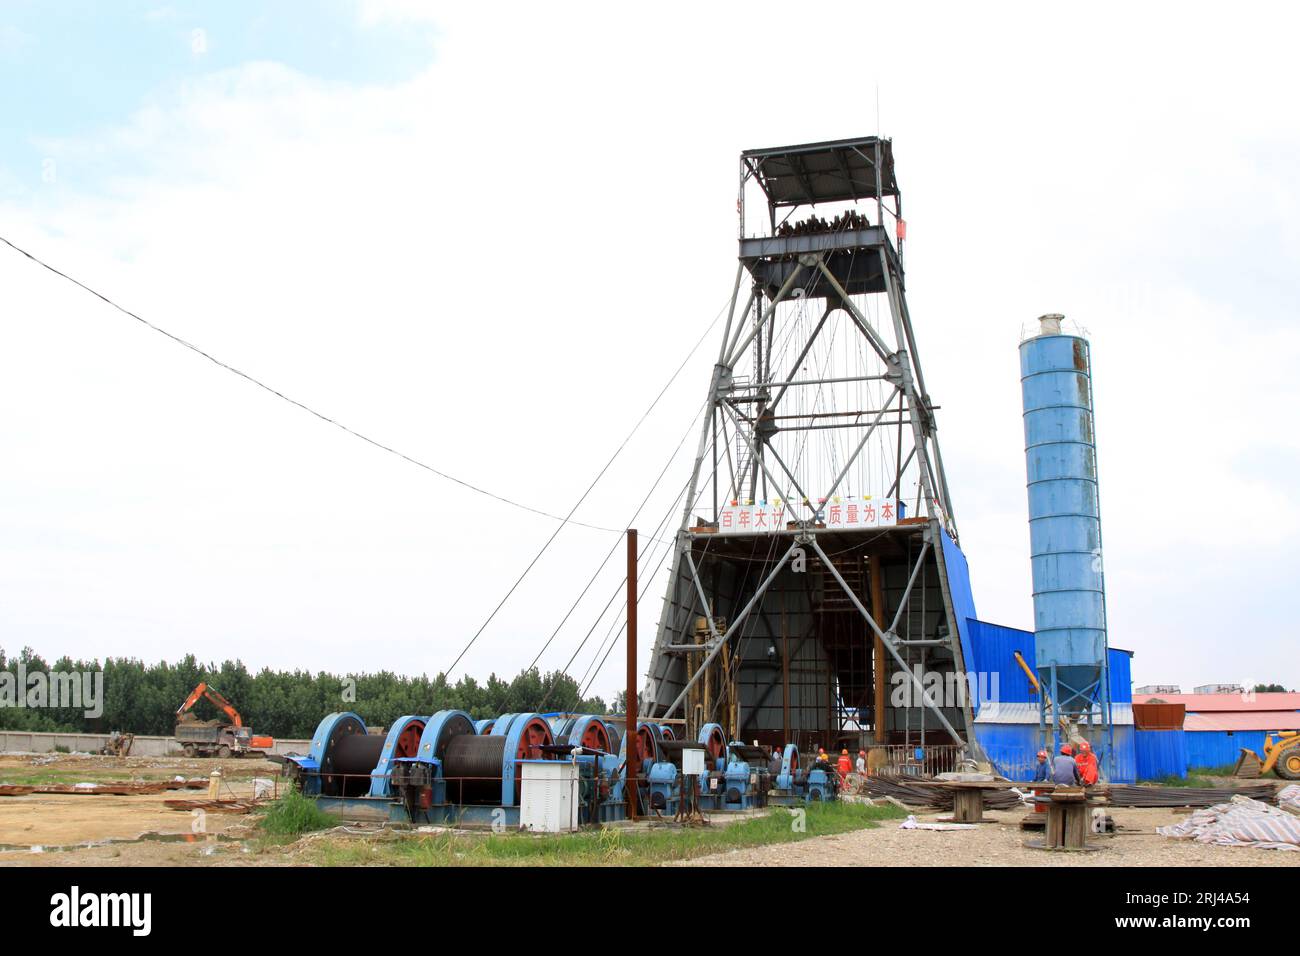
(488,235)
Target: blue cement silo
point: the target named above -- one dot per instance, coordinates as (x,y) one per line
(1064,520)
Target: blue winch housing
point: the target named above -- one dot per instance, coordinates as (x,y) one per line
(450,769)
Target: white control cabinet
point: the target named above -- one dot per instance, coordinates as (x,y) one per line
(549,799)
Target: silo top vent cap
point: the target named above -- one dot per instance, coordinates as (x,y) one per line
(1050,324)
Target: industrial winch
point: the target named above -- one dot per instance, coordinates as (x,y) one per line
(449,768)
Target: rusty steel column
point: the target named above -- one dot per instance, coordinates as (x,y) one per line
(785,676)
(630,734)
(878,648)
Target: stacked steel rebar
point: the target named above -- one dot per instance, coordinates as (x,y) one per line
(1122,795)
(932,793)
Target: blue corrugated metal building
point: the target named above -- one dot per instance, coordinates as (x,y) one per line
(1218,726)
(963,602)
(1160,753)
(1215,748)
(993,653)
(1006,725)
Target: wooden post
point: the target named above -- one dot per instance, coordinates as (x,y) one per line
(630,735)
(968,805)
(1067,822)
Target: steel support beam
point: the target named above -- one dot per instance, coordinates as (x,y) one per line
(752,442)
(731,629)
(885,639)
(738,350)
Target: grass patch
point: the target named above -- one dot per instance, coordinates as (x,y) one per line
(1223,770)
(290,816)
(615,846)
(1203,778)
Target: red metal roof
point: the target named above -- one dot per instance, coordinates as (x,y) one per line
(1249,720)
(1205,703)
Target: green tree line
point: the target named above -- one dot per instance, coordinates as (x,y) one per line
(142,698)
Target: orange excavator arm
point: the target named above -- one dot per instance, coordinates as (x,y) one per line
(211,693)
(193,699)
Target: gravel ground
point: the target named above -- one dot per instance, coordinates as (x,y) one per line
(1001,843)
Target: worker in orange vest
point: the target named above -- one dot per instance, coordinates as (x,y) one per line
(1087,762)
(845,767)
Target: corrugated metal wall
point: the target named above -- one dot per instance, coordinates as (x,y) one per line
(993,653)
(1215,748)
(1013,748)
(963,605)
(995,649)
(1160,753)
(1121,676)
(1125,755)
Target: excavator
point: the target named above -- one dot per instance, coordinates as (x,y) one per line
(1281,754)
(206,738)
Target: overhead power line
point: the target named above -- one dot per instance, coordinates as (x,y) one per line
(631,521)
(601,474)
(306,408)
(565,520)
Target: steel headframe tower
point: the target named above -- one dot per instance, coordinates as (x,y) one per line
(820,438)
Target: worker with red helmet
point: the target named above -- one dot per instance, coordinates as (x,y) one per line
(861,764)
(1065,772)
(844,766)
(1041,770)
(1087,764)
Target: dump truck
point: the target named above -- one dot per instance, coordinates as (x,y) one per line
(216,738)
(1281,754)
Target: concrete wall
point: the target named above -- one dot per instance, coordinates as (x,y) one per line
(21,741)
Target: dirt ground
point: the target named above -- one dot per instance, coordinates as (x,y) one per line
(83,830)
(56,828)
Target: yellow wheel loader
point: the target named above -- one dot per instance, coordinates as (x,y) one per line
(1281,754)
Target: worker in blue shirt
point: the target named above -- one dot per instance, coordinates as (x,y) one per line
(1041,769)
(1065,772)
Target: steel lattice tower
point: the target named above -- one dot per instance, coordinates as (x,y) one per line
(816,592)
